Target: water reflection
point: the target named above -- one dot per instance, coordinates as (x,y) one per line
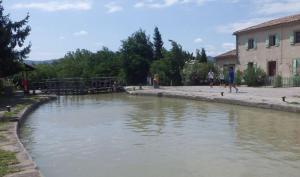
(119,135)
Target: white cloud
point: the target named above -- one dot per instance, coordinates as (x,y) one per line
(52,6)
(198,40)
(81,33)
(168,3)
(113,7)
(232,27)
(271,7)
(211,50)
(228,46)
(62,37)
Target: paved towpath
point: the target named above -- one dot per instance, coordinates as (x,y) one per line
(257,97)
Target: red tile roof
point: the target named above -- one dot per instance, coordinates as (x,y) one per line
(231,53)
(279,21)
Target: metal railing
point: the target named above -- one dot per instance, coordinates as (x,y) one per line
(279,81)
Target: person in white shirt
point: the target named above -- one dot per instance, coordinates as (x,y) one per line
(211,78)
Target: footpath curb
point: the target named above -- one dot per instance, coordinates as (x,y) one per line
(27,166)
(256,104)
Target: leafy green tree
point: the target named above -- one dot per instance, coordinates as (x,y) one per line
(137,55)
(177,58)
(158,44)
(161,67)
(203,58)
(106,63)
(12,38)
(198,55)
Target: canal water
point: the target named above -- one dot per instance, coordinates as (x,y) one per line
(118,135)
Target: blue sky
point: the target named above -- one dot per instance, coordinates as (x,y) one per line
(59,26)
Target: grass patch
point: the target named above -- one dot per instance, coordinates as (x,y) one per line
(7,159)
(15,110)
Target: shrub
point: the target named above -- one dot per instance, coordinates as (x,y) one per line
(296,81)
(255,77)
(238,79)
(278,81)
(196,73)
(161,67)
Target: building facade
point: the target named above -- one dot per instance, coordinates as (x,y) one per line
(273,46)
(227,60)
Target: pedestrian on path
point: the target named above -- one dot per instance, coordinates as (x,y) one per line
(231,76)
(211,78)
(222,79)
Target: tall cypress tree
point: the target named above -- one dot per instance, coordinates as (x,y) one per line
(12,38)
(203,58)
(158,44)
(198,55)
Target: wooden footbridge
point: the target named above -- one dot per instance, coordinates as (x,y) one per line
(78,86)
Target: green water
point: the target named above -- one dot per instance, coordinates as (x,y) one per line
(119,135)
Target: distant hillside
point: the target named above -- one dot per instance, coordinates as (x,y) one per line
(32,62)
(211,58)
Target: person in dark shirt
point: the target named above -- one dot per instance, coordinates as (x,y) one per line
(231,76)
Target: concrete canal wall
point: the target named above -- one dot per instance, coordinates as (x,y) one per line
(267,98)
(26,165)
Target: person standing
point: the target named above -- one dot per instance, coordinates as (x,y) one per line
(211,78)
(231,76)
(222,78)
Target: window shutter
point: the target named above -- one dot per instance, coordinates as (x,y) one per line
(267,42)
(292,38)
(277,42)
(295,67)
(246,45)
(254,44)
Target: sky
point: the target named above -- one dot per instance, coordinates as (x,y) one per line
(60,26)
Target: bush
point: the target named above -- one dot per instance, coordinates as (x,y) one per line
(296,81)
(160,67)
(255,77)
(196,74)
(238,78)
(278,81)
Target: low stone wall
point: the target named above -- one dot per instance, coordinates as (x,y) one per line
(27,166)
(201,96)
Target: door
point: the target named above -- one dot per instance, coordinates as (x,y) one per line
(272,68)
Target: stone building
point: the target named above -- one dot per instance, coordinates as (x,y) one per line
(227,60)
(273,46)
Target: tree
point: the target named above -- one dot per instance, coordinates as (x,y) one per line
(158,44)
(161,67)
(12,38)
(136,55)
(177,58)
(203,58)
(198,55)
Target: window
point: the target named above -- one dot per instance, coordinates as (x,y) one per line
(272,68)
(297,37)
(250,65)
(296,67)
(272,40)
(251,44)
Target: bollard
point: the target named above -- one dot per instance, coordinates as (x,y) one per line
(283,99)
(8,108)
(222,93)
